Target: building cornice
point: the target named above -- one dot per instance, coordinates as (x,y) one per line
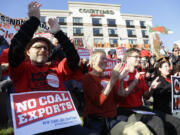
(135,15)
(90,4)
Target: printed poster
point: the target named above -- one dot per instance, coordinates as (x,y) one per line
(40,111)
(83,53)
(175,85)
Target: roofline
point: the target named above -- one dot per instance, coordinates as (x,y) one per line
(54,10)
(89,3)
(136,15)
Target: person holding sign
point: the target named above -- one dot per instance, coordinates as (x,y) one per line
(27,61)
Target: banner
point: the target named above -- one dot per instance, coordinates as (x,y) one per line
(110,65)
(83,53)
(45,34)
(175,85)
(36,112)
(9,26)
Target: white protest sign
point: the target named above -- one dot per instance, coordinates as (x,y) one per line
(120,51)
(175,85)
(40,111)
(9,26)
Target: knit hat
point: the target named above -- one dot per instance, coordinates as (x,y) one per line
(39,39)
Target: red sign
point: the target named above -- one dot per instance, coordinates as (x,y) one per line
(32,107)
(110,65)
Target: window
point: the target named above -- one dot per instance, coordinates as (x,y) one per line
(131,33)
(144,34)
(43,19)
(130,24)
(111,22)
(78,31)
(78,42)
(113,42)
(133,41)
(146,41)
(96,21)
(99,41)
(77,21)
(97,32)
(64,29)
(142,24)
(61,20)
(112,32)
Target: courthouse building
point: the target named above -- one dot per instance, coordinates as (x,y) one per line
(102,26)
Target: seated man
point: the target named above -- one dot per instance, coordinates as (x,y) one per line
(34,74)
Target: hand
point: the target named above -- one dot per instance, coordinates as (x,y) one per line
(138,75)
(123,73)
(54,26)
(177,74)
(33,9)
(155,83)
(116,71)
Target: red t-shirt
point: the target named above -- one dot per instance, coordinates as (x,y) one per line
(134,99)
(27,77)
(4,59)
(95,101)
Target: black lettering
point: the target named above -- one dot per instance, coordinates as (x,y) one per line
(12,22)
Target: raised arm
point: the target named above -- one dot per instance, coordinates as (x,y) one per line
(68,47)
(24,35)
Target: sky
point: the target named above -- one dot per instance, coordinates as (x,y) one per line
(164,12)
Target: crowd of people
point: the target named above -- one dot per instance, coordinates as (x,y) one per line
(108,106)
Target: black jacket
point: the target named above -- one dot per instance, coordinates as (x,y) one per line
(162,96)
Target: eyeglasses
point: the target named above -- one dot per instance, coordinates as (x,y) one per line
(135,57)
(176,50)
(40,47)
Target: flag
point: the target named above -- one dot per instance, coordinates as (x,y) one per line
(159,29)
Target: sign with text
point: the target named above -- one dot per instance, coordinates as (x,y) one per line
(120,51)
(110,65)
(44,34)
(9,26)
(41,111)
(83,53)
(175,85)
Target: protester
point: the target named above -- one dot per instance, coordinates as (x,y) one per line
(3,44)
(6,84)
(32,75)
(109,56)
(175,56)
(4,96)
(162,94)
